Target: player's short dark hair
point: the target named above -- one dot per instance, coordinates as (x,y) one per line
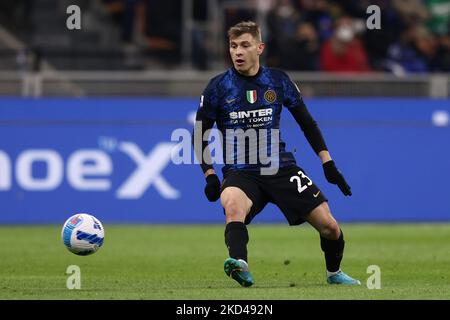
(245,27)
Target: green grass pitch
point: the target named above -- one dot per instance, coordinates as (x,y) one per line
(186,262)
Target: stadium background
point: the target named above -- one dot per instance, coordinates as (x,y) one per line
(80,108)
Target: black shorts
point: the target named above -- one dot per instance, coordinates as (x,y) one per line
(290,189)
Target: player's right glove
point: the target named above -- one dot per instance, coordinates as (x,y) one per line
(212,188)
(334,176)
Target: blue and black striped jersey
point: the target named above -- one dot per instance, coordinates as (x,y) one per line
(236,102)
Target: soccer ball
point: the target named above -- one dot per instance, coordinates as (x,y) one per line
(83,234)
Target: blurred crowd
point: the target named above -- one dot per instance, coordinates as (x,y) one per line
(311,35)
(333,36)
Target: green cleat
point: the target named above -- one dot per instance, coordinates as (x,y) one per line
(342,278)
(238,270)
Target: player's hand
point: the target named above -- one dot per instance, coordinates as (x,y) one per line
(334,176)
(212,189)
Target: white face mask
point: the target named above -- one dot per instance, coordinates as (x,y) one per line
(345,33)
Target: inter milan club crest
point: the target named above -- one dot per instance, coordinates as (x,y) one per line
(251,96)
(270,96)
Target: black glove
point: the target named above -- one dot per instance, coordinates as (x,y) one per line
(212,189)
(334,176)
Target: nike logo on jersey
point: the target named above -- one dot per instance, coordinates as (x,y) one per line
(316,194)
(230,101)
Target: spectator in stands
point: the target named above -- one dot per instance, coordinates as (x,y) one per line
(412,12)
(282,23)
(302,53)
(344,52)
(377,41)
(319,14)
(301,33)
(414,53)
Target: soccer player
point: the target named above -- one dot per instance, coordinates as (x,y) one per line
(246,97)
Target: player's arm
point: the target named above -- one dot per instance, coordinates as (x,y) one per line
(294,102)
(315,138)
(310,129)
(202,124)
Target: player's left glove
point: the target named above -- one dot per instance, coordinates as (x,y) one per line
(334,176)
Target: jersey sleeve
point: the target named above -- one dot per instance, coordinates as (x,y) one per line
(294,102)
(292,95)
(204,120)
(208,105)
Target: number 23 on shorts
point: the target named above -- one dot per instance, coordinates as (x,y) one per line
(301,187)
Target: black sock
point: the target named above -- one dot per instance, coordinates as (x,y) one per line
(334,250)
(236,239)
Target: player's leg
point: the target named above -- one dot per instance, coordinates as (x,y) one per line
(332,243)
(301,200)
(237,206)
